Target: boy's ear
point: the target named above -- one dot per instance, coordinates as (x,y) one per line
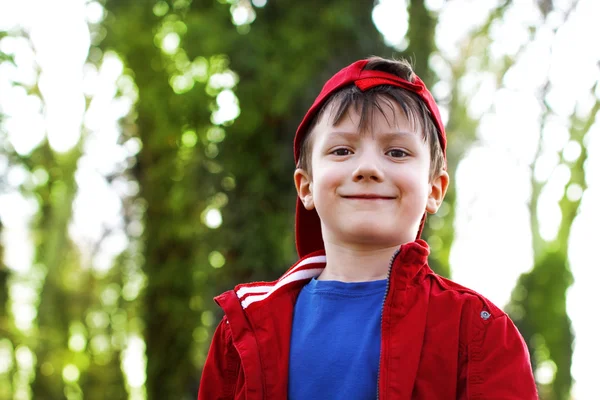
(303,184)
(437,191)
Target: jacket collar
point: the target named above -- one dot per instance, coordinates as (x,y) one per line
(409,265)
(260,292)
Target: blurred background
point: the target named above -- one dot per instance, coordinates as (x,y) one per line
(146,166)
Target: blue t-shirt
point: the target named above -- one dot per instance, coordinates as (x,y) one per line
(336,339)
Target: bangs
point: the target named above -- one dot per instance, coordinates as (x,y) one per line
(379,100)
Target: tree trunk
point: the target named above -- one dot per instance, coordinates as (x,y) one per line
(52,249)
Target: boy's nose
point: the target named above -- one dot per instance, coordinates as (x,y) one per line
(367,171)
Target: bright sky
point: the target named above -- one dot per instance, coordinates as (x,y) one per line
(492,181)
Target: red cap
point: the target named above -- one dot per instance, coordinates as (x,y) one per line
(308,224)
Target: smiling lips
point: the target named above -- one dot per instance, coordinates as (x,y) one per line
(369,197)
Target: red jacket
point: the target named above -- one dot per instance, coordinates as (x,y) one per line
(439,340)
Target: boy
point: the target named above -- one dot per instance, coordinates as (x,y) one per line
(370,319)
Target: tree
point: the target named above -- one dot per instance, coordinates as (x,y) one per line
(7,332)
(175,186)
(538,302)
(4,273)
(53,259)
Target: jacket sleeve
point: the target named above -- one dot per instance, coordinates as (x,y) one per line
(220,373)
(499,365)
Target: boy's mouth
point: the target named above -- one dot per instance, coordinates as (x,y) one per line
(368,197)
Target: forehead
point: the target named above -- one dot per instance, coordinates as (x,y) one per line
(367,115)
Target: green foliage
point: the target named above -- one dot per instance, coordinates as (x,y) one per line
(3,56)
(542,319)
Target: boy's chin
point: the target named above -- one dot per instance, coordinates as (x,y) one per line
(377,239)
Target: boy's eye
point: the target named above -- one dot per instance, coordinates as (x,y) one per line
(341,152)
(397,153)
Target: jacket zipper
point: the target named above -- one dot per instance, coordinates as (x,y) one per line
(387,289)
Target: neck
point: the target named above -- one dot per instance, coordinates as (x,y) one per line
(351,264)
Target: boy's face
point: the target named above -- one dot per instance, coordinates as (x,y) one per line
(370,188)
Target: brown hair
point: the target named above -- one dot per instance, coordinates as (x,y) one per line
(367,102)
